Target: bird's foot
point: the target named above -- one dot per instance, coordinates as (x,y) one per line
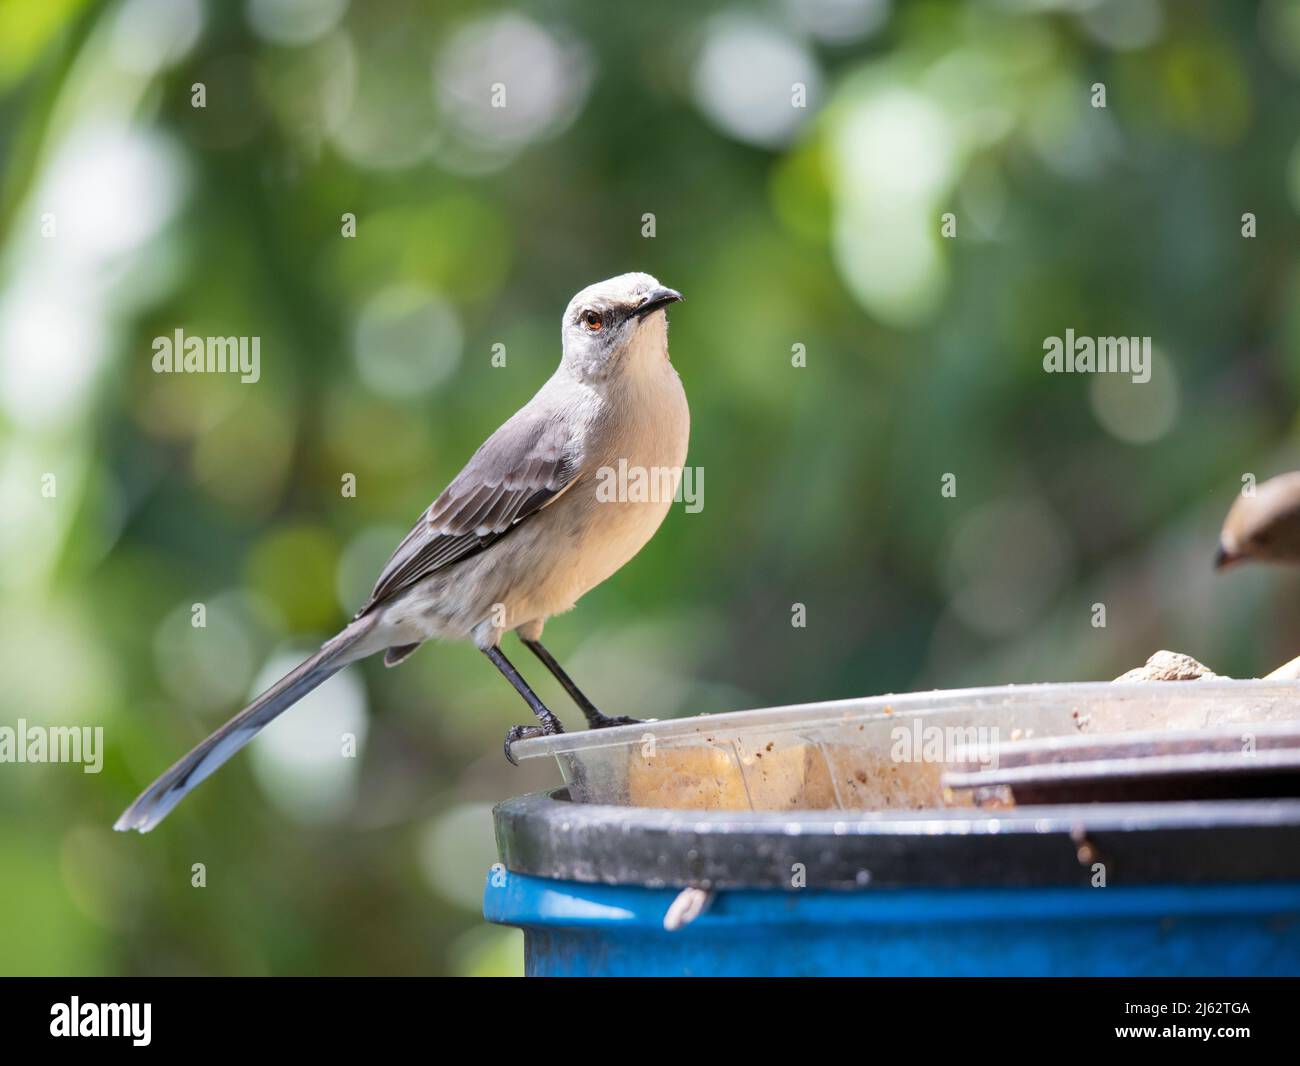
(548,728)
(604,721)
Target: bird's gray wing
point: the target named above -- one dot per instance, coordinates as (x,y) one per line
(521,468)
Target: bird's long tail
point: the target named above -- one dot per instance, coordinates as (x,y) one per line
(156,801)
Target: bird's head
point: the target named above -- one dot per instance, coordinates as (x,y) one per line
(1265,525)
(612,320)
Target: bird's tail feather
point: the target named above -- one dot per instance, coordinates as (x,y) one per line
(156,801)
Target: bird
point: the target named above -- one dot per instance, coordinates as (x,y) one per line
(1264,526)
(527,527)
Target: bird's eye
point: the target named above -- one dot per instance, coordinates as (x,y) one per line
(591,319)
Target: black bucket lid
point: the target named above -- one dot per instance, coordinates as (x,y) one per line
(547,835)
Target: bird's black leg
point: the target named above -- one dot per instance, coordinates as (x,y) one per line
(549,723)
(595,720)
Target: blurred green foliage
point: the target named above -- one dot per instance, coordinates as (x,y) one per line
(817,226)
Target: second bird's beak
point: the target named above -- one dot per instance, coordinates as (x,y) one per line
(656,299)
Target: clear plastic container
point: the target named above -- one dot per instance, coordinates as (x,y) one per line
(877,753)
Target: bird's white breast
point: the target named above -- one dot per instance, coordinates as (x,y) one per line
(636,450)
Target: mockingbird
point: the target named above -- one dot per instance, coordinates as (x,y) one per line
(520,534)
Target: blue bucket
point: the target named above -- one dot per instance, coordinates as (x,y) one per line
(1161,889)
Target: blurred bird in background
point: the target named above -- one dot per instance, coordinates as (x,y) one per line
(521,533)
(1265,526)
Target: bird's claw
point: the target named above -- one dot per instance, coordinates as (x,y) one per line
(528,732)
(605,721)
(520,732)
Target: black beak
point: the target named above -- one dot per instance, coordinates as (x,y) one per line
(1222,557)
(656,299)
